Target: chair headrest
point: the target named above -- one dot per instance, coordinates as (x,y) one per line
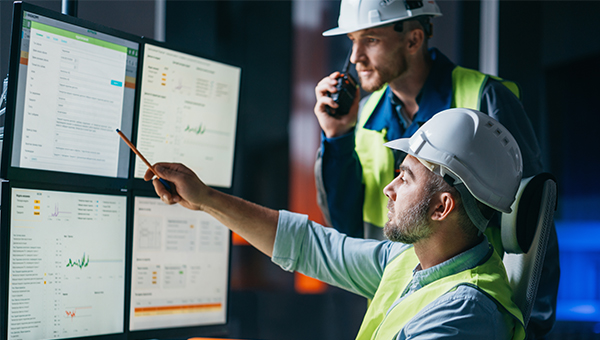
(519,227)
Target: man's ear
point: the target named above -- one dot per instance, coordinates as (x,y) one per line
(442,204)
(415,39)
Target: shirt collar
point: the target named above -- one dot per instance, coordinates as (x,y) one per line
(463,261)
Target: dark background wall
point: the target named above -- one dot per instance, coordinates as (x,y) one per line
(550,48)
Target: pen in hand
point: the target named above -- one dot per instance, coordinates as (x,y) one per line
(136,151)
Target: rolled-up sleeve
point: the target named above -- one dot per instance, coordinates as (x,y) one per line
(325,254)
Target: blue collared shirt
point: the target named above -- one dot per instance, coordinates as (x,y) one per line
(357,265)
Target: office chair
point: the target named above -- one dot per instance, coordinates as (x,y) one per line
(525,236)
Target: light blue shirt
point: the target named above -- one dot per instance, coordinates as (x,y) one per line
(357,265)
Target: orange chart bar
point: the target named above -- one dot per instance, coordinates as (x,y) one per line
(130,82)
(177,309)
(24,58)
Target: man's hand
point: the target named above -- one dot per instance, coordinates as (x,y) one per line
(187,189)
(333,126)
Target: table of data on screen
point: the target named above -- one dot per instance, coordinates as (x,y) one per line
(179,267)
(73,102)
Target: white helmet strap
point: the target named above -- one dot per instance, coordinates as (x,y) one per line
(470,204)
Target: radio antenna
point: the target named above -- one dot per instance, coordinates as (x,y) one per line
(347,63)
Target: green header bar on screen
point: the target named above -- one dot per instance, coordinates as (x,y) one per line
(79,37)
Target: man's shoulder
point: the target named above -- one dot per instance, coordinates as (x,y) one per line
(467,295)
(464,299)
(491,81)
(497,92)
(463,308)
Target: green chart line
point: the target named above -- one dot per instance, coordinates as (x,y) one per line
(83,262)
(197,130)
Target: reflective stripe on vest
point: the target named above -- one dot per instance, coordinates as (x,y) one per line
(378,162)
(490,278)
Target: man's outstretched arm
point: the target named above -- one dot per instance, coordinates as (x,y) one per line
(256,224)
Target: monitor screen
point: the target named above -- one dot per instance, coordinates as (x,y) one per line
(73,84)
(66,264)
(188,113)
(180,267)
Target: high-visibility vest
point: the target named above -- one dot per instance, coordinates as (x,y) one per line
(381,323)
(378,161)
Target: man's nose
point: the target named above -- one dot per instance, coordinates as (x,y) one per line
(357,53)
(389,192)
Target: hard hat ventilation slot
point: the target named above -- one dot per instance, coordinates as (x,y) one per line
(505,141)
(489,125)
(413,4)
(498,132)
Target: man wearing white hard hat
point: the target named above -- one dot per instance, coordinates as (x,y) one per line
(409,83)
(437,276)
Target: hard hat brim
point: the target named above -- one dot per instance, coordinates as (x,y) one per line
(401,144)
(340,30)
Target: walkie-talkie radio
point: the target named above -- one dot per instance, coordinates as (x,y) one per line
(346,91)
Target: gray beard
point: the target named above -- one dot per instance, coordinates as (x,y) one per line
(413,224)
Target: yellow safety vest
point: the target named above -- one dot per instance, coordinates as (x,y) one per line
(381,323)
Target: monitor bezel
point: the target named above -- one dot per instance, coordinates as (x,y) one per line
(213,330)
(5,218)
(138,183)
(7,171)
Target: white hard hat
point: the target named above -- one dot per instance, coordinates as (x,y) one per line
(356,15)
(473,149)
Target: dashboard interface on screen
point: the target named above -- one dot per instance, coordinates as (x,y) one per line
(188,113)
(75,87)
(67,264)
(179,268)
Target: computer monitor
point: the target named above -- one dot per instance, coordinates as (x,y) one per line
(71,84)
(64,263)
(187,113)
(180,271)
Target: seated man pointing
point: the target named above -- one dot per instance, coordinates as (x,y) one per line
(437,276)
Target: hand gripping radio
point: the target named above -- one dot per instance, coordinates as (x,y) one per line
(346,91)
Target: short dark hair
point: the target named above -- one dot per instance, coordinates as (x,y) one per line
(423,20)
(437,184)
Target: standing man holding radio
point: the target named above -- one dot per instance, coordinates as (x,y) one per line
(409,83)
